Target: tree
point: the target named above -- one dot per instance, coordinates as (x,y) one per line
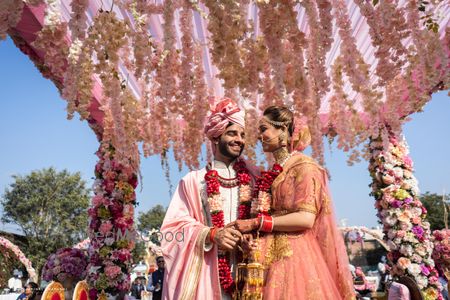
(435,207)
(51,209)
(151,219)
(138,252)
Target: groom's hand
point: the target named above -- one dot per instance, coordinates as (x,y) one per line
(227,238)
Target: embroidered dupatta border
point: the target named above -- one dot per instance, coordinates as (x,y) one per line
(190,283)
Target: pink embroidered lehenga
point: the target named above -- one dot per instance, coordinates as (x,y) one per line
(312,264)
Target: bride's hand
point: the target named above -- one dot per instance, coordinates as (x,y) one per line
(245,226)
(248,243)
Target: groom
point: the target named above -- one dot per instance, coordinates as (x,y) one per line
(192,265)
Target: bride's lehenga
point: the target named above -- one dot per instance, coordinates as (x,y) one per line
(312,264)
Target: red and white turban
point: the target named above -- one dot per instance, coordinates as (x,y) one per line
(226,111)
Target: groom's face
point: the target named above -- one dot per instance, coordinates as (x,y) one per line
(231,143)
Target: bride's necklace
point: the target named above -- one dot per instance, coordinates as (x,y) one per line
(281,156)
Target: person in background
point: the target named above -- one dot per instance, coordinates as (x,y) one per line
(137,288)
(384,274)
(14,283)
(31,290)
(362,287)
(158,279)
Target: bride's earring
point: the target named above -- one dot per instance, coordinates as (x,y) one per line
(282,139)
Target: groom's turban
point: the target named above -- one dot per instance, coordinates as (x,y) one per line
(226,111)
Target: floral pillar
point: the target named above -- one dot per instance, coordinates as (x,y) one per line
(402,215)
(111,228)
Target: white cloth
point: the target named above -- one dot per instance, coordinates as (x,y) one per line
(230,196)
(230,202)
(15,284)
(11,296)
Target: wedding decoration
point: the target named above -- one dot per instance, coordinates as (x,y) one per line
(350,67)
(67,266)
(111,231)
(142,74)
(10,12)
(6,244)
(357,234)
(402,215)
(441,250)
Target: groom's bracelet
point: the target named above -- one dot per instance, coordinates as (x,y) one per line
(212,234)
(266,223)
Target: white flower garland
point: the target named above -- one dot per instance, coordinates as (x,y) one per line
(402,214)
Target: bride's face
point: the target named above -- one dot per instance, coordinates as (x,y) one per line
(269,136)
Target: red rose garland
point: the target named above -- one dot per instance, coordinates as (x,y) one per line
(217,215)
(262,194)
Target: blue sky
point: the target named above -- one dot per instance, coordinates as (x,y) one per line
(35,134)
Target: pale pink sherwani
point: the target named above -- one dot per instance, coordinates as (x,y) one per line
(312,264)
(191,272)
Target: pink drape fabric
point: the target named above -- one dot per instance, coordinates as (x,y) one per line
(186,215)
(311,264)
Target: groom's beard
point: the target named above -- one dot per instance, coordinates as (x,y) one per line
(225,150)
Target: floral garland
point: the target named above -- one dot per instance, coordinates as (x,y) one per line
(403,215)
(66,263)
(441,250)
(7,244)
(217,215)
(262,194)
(111,230)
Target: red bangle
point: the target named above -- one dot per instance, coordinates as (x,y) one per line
(266,224)
(212,233)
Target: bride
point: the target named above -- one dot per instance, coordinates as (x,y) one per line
(301,247)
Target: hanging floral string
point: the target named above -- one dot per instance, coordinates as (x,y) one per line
(272,26)
(261,50)
(387,29)
(319,44)
(227,26)
(52,40)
